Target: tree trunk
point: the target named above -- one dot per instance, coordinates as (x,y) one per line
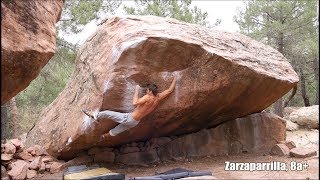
(303,88)
(277,106)
(293,92)
(316,74)
(4,121)
(14,116)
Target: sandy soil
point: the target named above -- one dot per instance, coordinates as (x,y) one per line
(216,165)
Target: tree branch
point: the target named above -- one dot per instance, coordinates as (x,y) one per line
(66,44)
(257,21)
(270,16)
(66,19)
(291,13)
(293,92)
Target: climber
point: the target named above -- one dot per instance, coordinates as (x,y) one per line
(144,106)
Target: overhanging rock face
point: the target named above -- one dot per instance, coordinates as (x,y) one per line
(221,76)
(28,41)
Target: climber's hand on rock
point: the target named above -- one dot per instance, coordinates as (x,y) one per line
(175,75)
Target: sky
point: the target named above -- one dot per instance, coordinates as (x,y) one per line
(224,10)
(216,9)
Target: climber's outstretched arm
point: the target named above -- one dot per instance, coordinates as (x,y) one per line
(168,91)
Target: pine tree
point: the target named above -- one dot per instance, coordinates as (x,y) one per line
(177,9)
(285,25)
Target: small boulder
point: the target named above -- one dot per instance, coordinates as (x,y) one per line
(129,149)
(31,173)
(48,166)
(291,126)
(4,172)
(280,149)
(56,167)
(163,140)
(157,142)
(6,157)
(24,155)
(301,152)
(2,147)
(81,153)
(37,150)
(19,170)
(288,110)
(138,158)
(78,161)
(94,151)
(42,168)
(5,178)
(46,159)
(35,164)
(107,149)
(290,144)
(306,116)
(9,148)
(17,143)
(31,150)
(140,144)
(105,156)
(133,144)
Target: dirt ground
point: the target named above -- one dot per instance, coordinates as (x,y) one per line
(216,165)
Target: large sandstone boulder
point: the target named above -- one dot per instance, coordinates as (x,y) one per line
(221,76)
(305,116)
(28,41)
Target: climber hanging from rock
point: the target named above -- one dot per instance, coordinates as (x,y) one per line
(144,106)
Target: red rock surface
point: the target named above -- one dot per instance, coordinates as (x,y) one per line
(79,161)
(8,148)
(4,172)
(22,164)
(28,41)
(56,167)
(139,158)
(36,163)
(94,150)
(31,173)
(255,133)
(36,150)
(17,143)
(221,76)
(23,155)
(280,149)
(290,144)
(19,170)
(6,157)
(301,152)
(105,156)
